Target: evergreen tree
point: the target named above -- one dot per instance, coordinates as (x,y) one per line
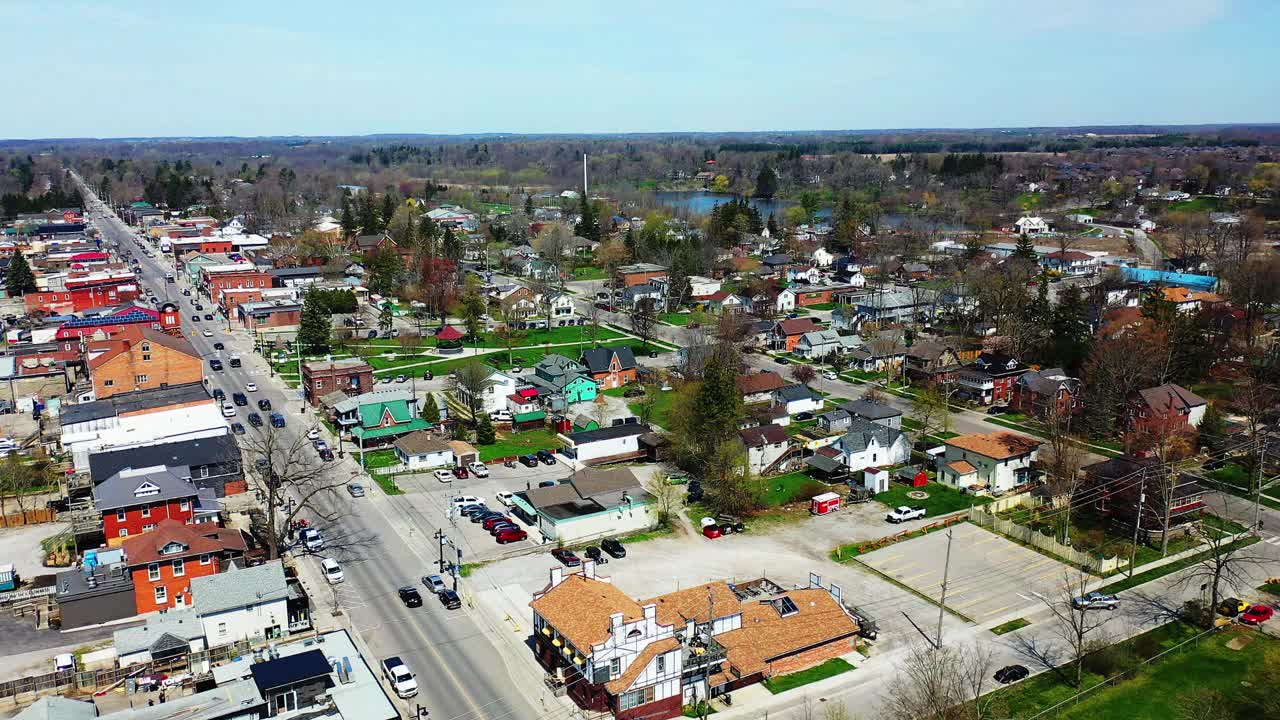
(1025,249)
(348,218)
(389,203)
(589,226)
(766,183)
(1069,336)
(528,205)
(629,241)
(484,431)
(450,246)
(430,410)
(313,328)
(772,225)
(718,409)
(20,280)
(368,214)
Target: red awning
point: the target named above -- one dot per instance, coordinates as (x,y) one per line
(449,332)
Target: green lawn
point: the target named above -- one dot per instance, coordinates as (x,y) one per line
(793,487)
(385,457)
(523,443)
(675,318)
(1173,567)
(1090,534)
(589,273)
(662,407)
(1030,200)
(1157,691)
(1273,588)
(822,306)
(1196,205)
(388,484)
(1014,624)
(942,499)
(830,668)
(1214,390)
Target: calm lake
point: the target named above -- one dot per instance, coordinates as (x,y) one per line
(701,203)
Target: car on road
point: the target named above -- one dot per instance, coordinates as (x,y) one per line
(219,394)
(237,428)
(460,473)
(239,399)
(782,361)
(1232,607)
(997,409)
(505,497)
(356,489)
(1257,615)
(567,557)
(277,420)
(254,419)
(199,307)
(1095,601)
(326,455)
(548,483)
(387,379)
(311,539)
(546,457)
(479,469)
(264,404)
(593,553)
(449,599)
(312,434)
(443,475)
(433,583)
(228,410)
(614,548)
(195,318)
(529,460)
(510,535)
(396,672)
(207,333)
(410,596)
(830,375)
(332,571)
(208,316)
(1011,674)
(215,364)
(219,346)
(251,387)
(401,378)
(903,513)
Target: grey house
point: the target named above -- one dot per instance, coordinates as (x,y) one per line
(878,413)
(834,421)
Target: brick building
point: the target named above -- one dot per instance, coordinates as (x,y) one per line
(139,358)
(321,377)
(167,318)
(638,274)
(270,314)
(133,501)
(216,278)
(163,563)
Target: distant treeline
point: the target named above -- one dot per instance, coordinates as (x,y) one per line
(1047,144)
(16,203)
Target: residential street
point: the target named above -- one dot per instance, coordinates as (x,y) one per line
(387,544)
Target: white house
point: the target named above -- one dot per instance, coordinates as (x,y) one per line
(786,301)
(560,306)
(821,343)
(1070,262)
(420,450)
(702,286)
(590,504)
(867,444)
(163,633)
(766,445)
(1031,225)
(797,398)
(805,275)
(607,444)
(995,462)
(243,604)
(494,397)
(822,257)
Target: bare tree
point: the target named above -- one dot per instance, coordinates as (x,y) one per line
(291,482)
(18,479)
(471,382)
(1223,562)
(642,320)
(508,332)
(1074,625)
(1061,459)
(669,497)
(592,315)
(946,683)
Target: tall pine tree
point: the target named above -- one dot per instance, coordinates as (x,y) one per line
(1025,249)
(348,221)
(589,226)
(313,328)
(20,280)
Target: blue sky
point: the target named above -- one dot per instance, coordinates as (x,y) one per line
(275,67)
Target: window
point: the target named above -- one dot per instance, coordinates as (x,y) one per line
(162,595)
(124,532)
(153,572)
(140,379)
(284,702)
(184,505)
(615,667)
(205,559)
(635,698)
(146,511)
(120,516)
(108,383)
(146,357)
(222,629)
(148,527)
(662,664)
(179,568)
(146,347)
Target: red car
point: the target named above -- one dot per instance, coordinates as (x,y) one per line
(460,473)
(567,557)
(510,535)
(712,531)
(489,522)
(1257,615)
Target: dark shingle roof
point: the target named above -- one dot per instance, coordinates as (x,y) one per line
(870,410)
(796,391)
(289,670)
(608,433)
(132,402)
(598,359)
(199,451)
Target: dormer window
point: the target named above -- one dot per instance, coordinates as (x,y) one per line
(173,548)
(146,489)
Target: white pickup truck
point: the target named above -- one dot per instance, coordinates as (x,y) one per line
(903,513)
(402,681)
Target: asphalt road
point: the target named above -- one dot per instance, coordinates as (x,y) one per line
(386,542)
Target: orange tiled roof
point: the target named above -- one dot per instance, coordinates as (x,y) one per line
(997,445)
(623,682)
(579,609)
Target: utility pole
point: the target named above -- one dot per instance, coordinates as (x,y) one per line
(457,568)
(585,195)
(942,603)
(1137,521)
(440,540)
(1257,495)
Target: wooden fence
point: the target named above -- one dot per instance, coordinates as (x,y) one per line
(30,517)
(986,517)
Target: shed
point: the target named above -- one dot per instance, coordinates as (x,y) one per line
(824,504)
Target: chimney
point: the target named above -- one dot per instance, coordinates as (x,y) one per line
(589,569)
(557,575)
(651,611)
(615,621)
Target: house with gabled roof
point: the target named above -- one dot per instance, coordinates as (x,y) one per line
(821,343)
(1039,392)
(990,462)
(165,562)
(381,416)
(610,366)
(766,446)
(758,387)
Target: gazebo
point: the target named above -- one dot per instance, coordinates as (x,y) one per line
(449,339)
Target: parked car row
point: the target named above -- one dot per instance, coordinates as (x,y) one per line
(1249,614)
(610,546)
(499,525)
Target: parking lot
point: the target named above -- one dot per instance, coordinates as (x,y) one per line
(989,575)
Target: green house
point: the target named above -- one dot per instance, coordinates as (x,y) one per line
(380,416)
(563,380)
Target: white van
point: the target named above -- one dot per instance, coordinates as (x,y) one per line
(228,410)
(332,571)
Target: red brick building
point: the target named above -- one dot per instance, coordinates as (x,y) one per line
(1041,392)
(167,318)
(989,379)
(162,563)
(133,501)
(86,292)
(638,274)
(321,377)
(217,278)
(139,358)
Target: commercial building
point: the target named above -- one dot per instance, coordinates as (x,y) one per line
(139,418)
(321,377)
(140,358)
(592,503)
(610,444)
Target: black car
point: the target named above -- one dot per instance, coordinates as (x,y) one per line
(594,553)
(207,316)
(215,364)
(410,597)
(997,409)
(219,394)
(195,318)
(239,399)
(480,517)
(255,419)
(199,307)
(782,361)
(449,599)
(529,460)
(469,510)
(186,293)
(802,416)
(277,420)
(1011,674)
(546,457)
(264,404)
(614,548)
(237,428)
(326,455)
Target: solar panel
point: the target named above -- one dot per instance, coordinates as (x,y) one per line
(785,606)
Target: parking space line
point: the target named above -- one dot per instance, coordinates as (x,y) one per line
(908,580)
(997,611)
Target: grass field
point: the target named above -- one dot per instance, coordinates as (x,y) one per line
(662,407)
(941,500)
(1159,690)
(830,668)
(588,273)
(518,444)
(1014,624)
(1173,567)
